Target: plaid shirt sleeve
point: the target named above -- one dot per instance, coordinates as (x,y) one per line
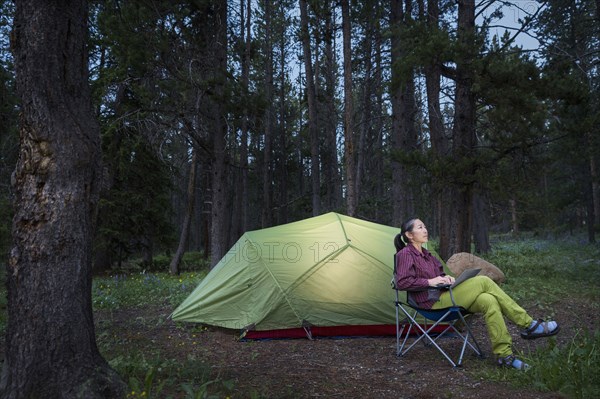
(408,274)
(413,269)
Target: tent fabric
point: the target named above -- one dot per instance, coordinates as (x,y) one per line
(325,271)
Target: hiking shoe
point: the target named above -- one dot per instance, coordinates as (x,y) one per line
(540,328)
(512,361)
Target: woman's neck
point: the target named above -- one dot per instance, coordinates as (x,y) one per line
(418,246)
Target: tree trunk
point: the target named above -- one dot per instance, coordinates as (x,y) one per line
(315,170)
(239,221)
(396,99)
(439,141)
(514,219)
(189,215)
(267,202)
(51,347)
(480,223)
(595,190)
(589,193)
(381,212)
(349,150)
(366,118)
(218,49)
(460,215)
(329,156)
(267,175)
(283,134)
(404,138)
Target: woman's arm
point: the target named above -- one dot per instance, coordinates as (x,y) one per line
(407,276)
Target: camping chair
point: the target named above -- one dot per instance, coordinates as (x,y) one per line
(442,321)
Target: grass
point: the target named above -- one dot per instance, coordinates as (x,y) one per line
(541,273)
(538,272)
(134,290)
(544,272)
(573,370)
(149,371)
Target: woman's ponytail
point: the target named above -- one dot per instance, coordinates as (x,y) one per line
(401,240)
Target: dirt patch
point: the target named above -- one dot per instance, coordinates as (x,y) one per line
(348,367)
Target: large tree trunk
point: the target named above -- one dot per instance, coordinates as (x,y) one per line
(439,140)
(283,134)
(459,218)
(51,347)
(381,213)
(349,150)
(189,215)
(329,155)
(218,49)
(315,169)
(366,116)
(267,202)
(240,208)
(404,137)
(481,223)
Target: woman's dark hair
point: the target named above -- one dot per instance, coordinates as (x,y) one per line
(407,226)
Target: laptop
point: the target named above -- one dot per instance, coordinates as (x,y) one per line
(465,275)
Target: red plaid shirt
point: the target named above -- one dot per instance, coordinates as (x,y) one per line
(413,269)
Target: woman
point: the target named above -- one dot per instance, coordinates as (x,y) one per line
(419,272)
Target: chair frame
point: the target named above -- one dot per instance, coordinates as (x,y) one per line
(450,315)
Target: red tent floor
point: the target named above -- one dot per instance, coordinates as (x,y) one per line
(333,331)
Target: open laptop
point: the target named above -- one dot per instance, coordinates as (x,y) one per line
(465,275)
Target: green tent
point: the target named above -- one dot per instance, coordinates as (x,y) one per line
(327,275)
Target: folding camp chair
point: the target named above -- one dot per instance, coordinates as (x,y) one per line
(437,322)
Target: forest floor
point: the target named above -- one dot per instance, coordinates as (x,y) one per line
(365,367)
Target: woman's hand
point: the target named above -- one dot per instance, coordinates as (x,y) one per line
(440,280)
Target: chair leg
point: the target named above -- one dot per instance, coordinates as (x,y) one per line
(424,334)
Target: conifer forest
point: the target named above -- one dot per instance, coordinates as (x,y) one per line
(136,128)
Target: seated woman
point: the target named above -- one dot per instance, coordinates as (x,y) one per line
(418,271)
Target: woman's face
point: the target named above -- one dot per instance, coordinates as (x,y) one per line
(418,235)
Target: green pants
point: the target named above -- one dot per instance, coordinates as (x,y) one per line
(481,294)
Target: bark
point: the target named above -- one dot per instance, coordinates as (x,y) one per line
(381,212)
(240,209)
(349,150)
(481,223)
(219,215)
(397,170)
(329,157)
(312,111)
(595,189)
(589,191)
(283,169)
(514,219)
(51,347)
(189,215)
(366,120)
(267,203)
(404,136)
(147,251)
(439,140)
(460,213)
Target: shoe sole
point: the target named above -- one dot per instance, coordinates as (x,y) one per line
(541,335)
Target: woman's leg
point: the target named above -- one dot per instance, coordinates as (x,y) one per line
(467,292)
(481,295)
